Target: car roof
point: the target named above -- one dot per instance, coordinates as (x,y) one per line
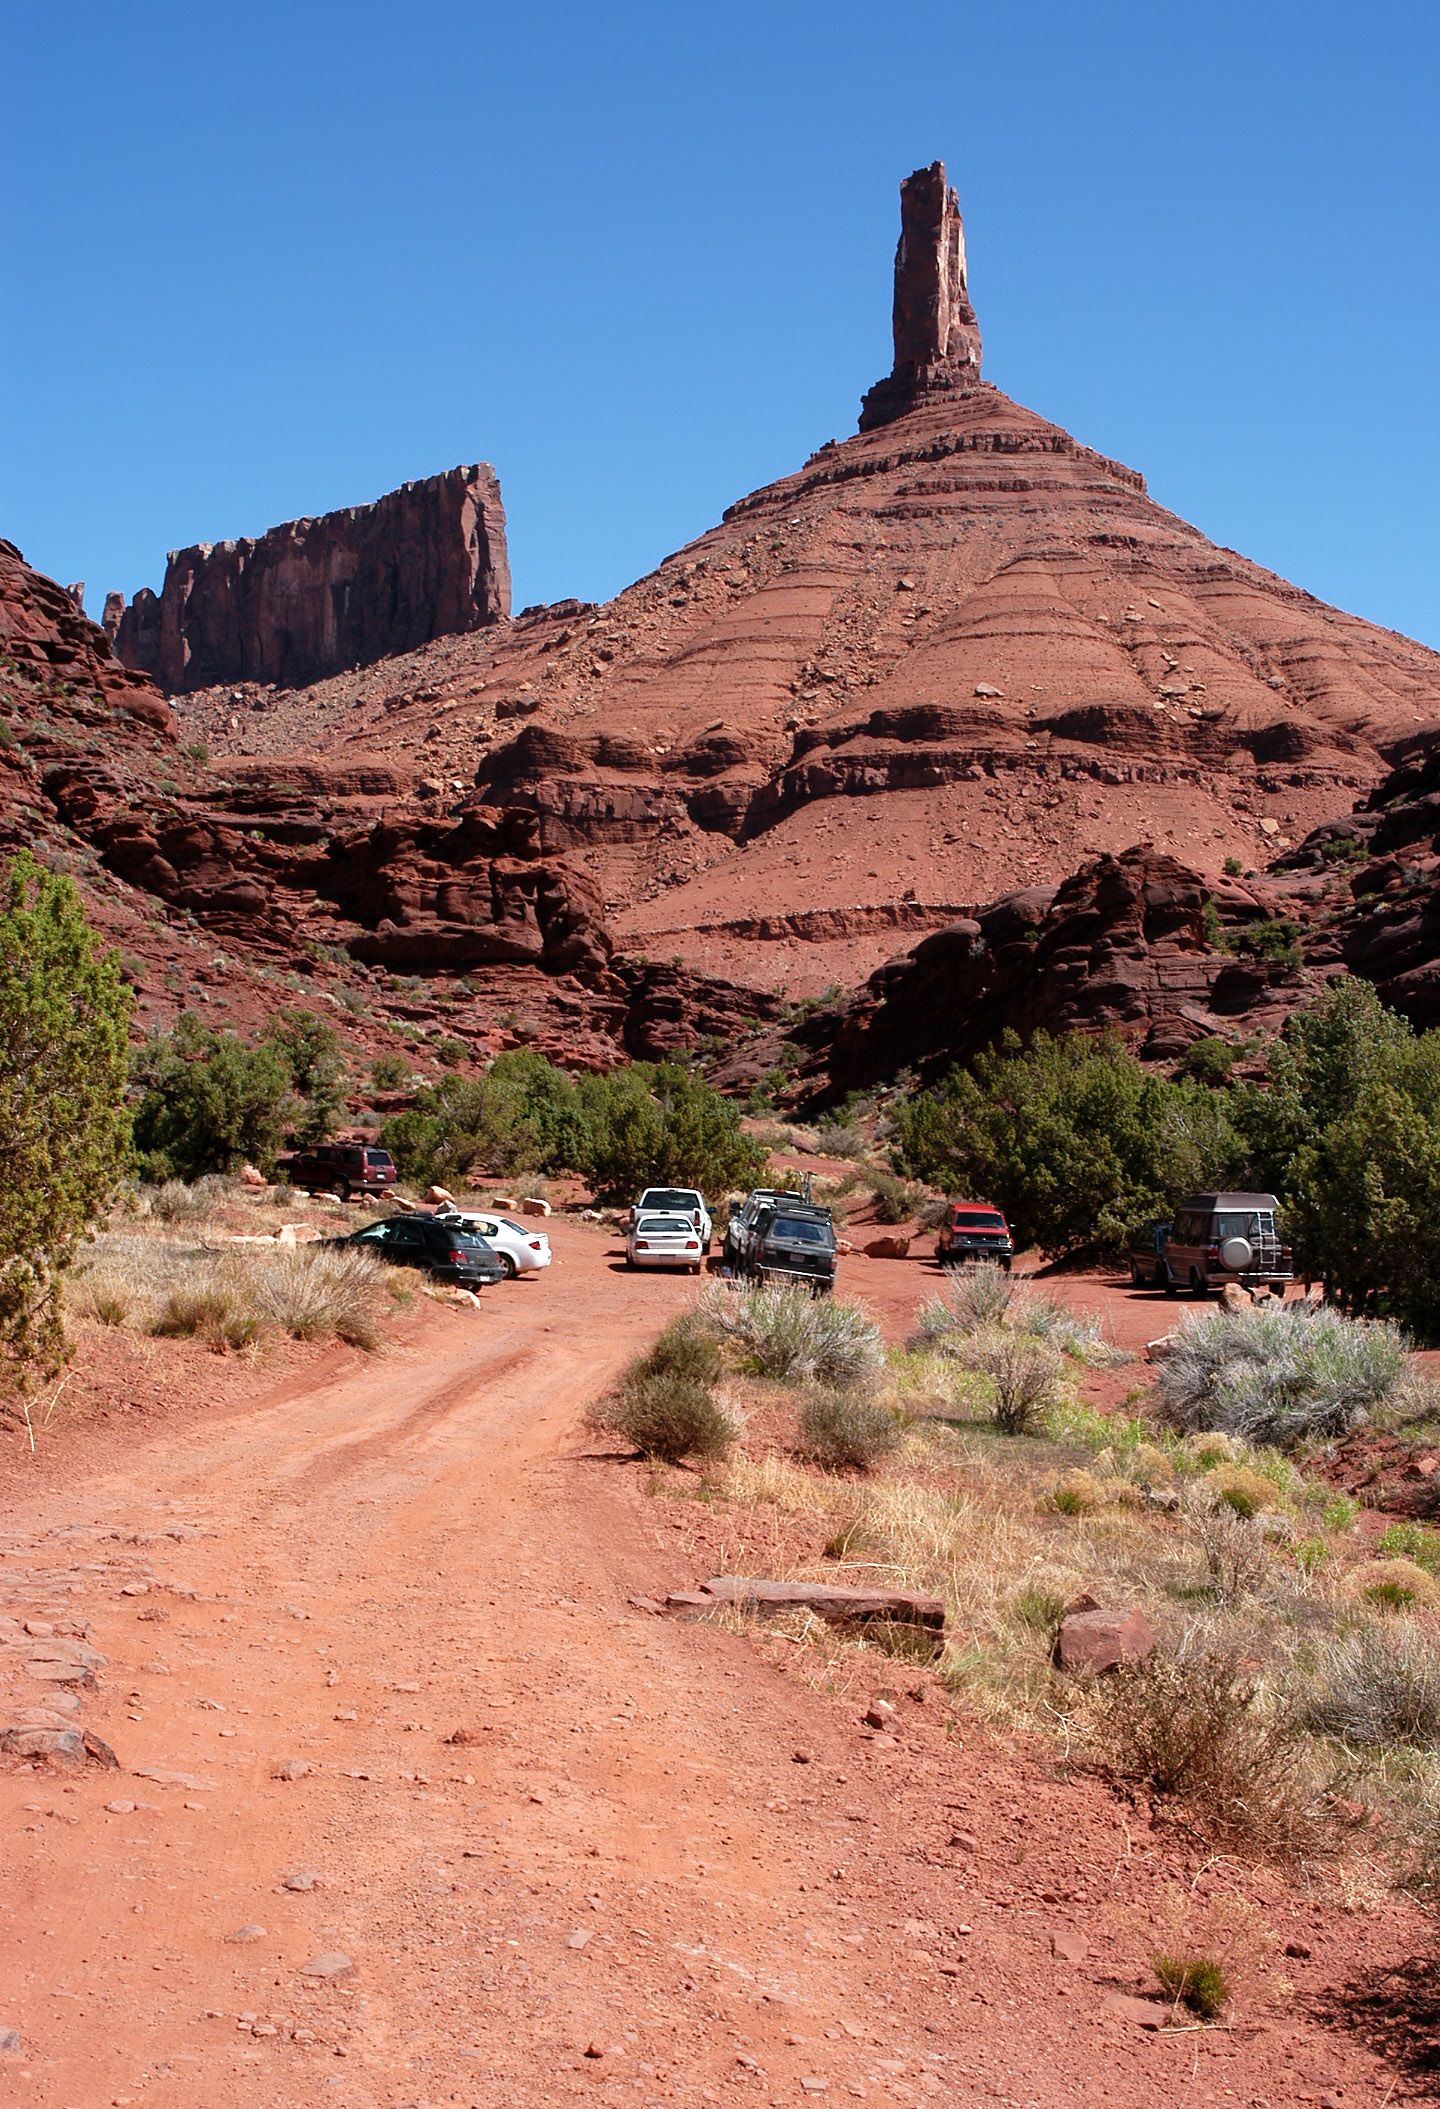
(1200,1202)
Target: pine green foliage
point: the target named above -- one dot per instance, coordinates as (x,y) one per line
(1075,1138)
(64,1011)
(649,1124)
(311,1047)
(209,1103)
(1347,1131)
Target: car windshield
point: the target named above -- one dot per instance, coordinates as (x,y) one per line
(979,1219)
(664,1226)
(1242,1223)
(799,1230)
(378,1157)
(670,1197)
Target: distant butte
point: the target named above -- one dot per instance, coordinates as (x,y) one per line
(316,596)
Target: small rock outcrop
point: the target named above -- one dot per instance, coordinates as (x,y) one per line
(315,597)
(937,338)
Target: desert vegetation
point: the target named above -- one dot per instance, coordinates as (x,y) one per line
(1297,1671)
(1080,1143)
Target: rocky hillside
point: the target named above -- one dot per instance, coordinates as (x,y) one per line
(956,654)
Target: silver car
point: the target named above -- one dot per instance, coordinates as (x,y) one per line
(663,1241)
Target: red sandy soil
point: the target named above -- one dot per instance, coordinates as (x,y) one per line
(660,1869)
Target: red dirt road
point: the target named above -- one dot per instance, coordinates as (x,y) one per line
(625,1857)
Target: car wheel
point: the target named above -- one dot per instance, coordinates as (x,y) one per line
(508,1267)
(340,1190)
(1199,1287)
(1172,1287)
(1135,1281)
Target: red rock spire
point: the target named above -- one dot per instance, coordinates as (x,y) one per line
(937,339)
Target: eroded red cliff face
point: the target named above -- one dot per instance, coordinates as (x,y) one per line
(315,596)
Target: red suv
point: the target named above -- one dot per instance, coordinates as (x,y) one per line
(973,1231)
(339,1168)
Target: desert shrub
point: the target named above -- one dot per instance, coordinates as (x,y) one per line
(64,1014)
(656,1124)
(1277,1375)
(209,1102)
(310,1047)
(104,1299)
(785,1332)
(1376,1686)
(1196,1729)
(213,1315)
(847,1429)
(665,1404)
(1195,1981)
(1347,1130)
(1209,1061)
(311,1293)
(1023,1373)
(1075,1138)
(1410,1541)
(1248,1493)
(1076,1493)
(1398,1584)
(1232,1545)
(895,1199)
(972,1300)
(185,1201)
(840,1138)
(390,1072)
(449,1050)
(1040,1609)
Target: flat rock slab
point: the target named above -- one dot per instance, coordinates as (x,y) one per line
(827,1600)
(1145,2013)
(1094,1641)
(329,1968)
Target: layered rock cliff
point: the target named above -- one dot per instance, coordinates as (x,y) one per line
(315,596)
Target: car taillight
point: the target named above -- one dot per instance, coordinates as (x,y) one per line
(692,1244)
(1286,1253)
(641,1246)
(457,1257)
(1212,1252)
(536,1246)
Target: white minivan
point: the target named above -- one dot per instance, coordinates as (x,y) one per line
(685,1201)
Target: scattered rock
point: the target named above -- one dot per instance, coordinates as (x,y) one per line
(329,1967)
(1069,1946)
(800,1757)
(1094,1641)
(1299,1951)
(1234,1298)
(435,1195)
(62,1747)
(291,1768)
(99,1752)
(135,1589)
(251,1175)
(1147,2013)
(121,1808)
(888,1249)
(10,2041)
(244,1934)
(880,1714)
(300,1878)
(840,1605)
(534,1206)
(579,1937)
(1157,1350)
(966,1841)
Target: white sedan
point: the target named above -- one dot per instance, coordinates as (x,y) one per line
(519,1248)
(663,1241)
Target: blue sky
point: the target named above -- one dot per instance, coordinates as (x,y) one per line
(267,261)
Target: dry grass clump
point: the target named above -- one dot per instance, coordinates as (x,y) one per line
(1279,1374)
(1200,1729)
(1398,1585)
(972,1300)
(1231,1543)
(1376,1687)
(666,1403)
(213,1315)
(847,1430)
(1023,1372)
(787,1333)
(312,1294)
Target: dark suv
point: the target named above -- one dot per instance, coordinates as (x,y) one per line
(1219,1238)
(972,1230)
(339,1168)
(433,1244)
(792,1241)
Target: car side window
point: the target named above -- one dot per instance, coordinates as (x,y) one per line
(406,1234)
(373,1234)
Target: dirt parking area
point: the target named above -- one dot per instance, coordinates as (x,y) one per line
(417,1803)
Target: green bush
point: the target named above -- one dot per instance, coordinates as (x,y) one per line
(655,1124)
(847,1430)
(310,1046)
(64,1013)
(1195,1981)
(972,1300)
(665,1404)
(1411,1541)
(1379,1688)
(1076,1139)
(390,1072)
(210,1103)
(1023,1373)
(1276,1374)
(1209,1061)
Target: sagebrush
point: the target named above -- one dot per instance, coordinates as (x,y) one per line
(1278,1373)
(787,1333)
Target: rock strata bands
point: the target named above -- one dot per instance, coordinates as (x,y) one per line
(315,596)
